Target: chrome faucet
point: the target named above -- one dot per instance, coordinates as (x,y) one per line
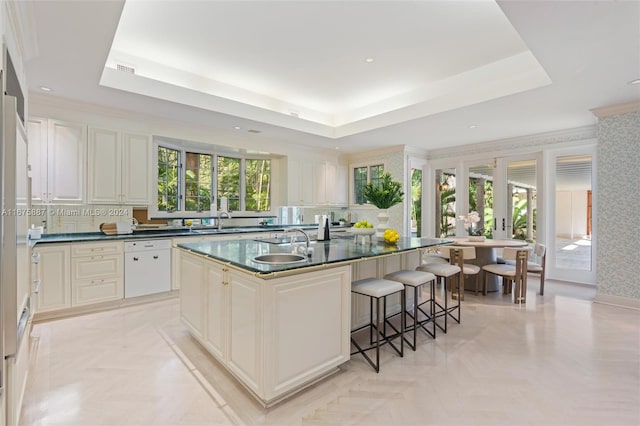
(306,236)
(220,214)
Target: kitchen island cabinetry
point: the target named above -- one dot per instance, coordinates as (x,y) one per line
(118,167)
(275,336)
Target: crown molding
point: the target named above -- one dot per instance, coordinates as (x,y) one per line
(616,109)
(528,142)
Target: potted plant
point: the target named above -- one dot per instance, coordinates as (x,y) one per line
(384,195)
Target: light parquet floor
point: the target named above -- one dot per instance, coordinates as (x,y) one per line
(559,360)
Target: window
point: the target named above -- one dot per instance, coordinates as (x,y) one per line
(258,185)
(198,182)
(168,179)
(189,180)
(229,181)
(363,175)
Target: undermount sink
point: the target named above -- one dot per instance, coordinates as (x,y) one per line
(279,258)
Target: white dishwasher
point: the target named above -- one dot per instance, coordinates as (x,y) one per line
(147,267)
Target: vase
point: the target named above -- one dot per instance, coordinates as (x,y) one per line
(383,223)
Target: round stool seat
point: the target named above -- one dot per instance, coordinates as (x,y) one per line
(440,269)
(410,277)
(376,287)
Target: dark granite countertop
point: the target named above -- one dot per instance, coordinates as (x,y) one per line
(240,253)
(165,233)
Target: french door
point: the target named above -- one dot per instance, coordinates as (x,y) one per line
(503,192)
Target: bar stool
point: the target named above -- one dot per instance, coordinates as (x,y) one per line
(449,272)
(379,289)
(417,279)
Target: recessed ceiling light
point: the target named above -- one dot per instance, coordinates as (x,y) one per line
(472,126)
(236,127)
(337,147)
(368,59)
(46,89)
(636,81)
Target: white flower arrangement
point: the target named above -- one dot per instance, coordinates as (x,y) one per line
(469,221)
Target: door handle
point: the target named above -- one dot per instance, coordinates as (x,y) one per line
(495,224)
(504,224)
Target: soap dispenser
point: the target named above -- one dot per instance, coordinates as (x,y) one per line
(327,237)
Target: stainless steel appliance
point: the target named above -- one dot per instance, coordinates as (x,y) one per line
(147,267)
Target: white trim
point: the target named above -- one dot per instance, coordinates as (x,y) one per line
(617,109)
(623,302)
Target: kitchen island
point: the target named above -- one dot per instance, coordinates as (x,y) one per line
(280,328)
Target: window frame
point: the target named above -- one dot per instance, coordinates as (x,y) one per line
(352,184)
(183,149)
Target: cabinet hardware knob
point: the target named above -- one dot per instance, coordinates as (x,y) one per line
(155,257)
(135,259)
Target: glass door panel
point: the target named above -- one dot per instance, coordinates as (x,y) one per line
(521,200)
(481,200)
(445,202)
(416,202)
(573,213)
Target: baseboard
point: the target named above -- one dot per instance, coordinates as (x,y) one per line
(623,302)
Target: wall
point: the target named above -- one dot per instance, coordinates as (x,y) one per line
(618,202)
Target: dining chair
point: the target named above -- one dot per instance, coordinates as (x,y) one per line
(536,265)
(513,274)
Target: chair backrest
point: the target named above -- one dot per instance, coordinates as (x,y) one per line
(540,251)
(467,253)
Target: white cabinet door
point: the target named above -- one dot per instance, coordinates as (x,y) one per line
(105,166)
(118,167)
(192,292)
(246,349)
(342,186)
(37,133)
(217,301)
(53,271)
(66,150)
(329,184)
(300,182)
(319,183)
(136,162)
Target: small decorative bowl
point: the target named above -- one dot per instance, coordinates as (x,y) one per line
(363,231)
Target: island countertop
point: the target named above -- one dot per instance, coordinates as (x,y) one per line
(240,253)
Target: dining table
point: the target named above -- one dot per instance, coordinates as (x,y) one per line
(485,255)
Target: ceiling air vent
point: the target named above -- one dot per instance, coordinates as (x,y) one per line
(125,68)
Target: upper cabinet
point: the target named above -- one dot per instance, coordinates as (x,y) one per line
(57,152)
(118,167)
(316,183)
(329,184)
(299,182)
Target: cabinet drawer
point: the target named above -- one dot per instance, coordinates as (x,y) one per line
(97,267)
(97,290)
(90,249)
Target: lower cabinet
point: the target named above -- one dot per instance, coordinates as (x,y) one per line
(97,273)
(79,274)
(275,336)
(54,273)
